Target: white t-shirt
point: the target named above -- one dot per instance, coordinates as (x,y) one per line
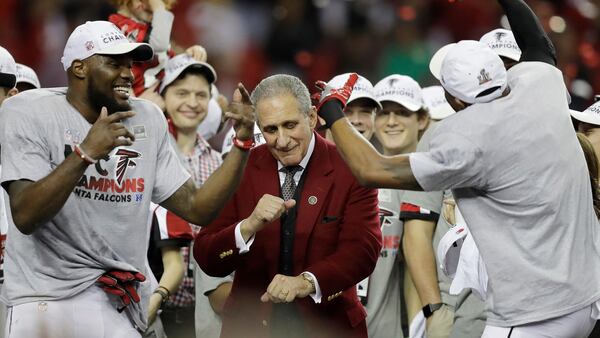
(519,176)
(103,224)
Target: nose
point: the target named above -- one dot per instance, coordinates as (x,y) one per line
(192,101)
(354,120)
(283,139)
(126,73)
(392,119)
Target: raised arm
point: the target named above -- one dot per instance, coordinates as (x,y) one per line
(369,167)
(202,205)
(534,42)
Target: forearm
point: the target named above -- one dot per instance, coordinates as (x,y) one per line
(420,260)
(174,268)
(411,297)
(218,189)
(35,203)
(531,38)
(160,34)
(218,297)
(215,250)
(369,167)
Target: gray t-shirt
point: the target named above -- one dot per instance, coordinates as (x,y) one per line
(208,323)
(520,179)
(103,224)
(384,296)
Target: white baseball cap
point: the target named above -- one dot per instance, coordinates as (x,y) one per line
(362,88)
(468,69)
(448,250)
(591,115)
(101,37)
(8,69)
(502,41)
(435,101)
(228,140)
(401,89)
(176,65)
(26,74)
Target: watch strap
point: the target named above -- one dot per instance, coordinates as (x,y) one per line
(429,309)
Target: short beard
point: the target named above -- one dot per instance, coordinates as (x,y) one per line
(99,99)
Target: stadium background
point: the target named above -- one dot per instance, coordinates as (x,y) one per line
(315,39)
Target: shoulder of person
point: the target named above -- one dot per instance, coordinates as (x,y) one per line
(32,104)
(146,109)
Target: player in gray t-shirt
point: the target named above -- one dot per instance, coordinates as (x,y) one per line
(513,163)
(81,165)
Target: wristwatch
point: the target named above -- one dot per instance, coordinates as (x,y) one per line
(429,309)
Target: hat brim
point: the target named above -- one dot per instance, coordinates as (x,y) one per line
(508,54)
(8,80)
(210,73)
(139,52)
(435,65)
(585,117)
(371,98)
(441,112)
(408,105)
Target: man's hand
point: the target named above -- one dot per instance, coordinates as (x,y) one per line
(197,52)
(241,111)
(325,94)
(153,96)
(106,134)
(122,284)
(284,289)
(268,209)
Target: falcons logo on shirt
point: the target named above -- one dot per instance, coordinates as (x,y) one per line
(126,157)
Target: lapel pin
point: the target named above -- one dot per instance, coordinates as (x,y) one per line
(312,200)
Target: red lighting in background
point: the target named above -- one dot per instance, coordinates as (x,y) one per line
(303,58)
(406,13)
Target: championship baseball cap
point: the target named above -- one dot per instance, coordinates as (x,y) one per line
(176,65)
(26,74)
(435,100)
(362,88)
(502,41)
(101,37)
(470,71)
(448,250)
(591,115)
(401,89)
(8,69)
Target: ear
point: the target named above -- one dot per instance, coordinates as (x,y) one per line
(79,69)
(12,91)
(312,117)
(423,121)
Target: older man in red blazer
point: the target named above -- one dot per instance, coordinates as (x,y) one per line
(299,233)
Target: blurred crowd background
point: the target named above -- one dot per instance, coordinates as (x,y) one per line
(315,39)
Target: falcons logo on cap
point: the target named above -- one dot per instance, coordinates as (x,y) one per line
(500,35)
(125,161)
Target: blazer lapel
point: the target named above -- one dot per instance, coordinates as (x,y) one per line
(313,198)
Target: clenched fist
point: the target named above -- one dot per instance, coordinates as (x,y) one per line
(268,209)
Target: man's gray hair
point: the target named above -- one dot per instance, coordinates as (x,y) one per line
(280,84)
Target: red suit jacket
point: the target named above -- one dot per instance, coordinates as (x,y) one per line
(337,238)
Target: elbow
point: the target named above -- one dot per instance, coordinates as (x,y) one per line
(25,225)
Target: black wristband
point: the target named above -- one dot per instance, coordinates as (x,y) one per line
(429,309)
(331,111)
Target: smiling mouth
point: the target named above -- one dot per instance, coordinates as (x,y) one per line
(122,91)
(394,132)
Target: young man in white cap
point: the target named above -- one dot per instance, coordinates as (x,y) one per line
(362,105)
(27,79)
(523,191)
(81,165)
(397,128)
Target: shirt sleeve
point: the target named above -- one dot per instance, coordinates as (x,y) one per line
(170,230)
(170,174)
(453,161)
(160,33)
(25,153)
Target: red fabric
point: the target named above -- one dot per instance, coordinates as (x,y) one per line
(178,227)
(137,31)
(340,253)
(407,207)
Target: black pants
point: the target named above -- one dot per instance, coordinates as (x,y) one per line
(178,322)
